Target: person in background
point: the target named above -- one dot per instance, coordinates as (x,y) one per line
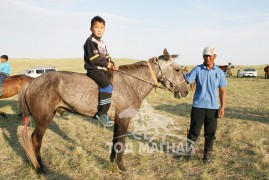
(238,70)
(5,71)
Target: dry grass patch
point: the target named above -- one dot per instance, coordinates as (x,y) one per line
(75,147)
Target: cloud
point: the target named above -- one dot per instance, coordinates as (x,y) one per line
(57,33)
(30,28)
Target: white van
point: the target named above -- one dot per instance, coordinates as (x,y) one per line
(38,71)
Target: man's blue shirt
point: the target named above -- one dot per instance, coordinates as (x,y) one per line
(207,84)
(5,68)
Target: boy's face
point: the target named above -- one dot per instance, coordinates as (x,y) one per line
(3,60)
(98,29)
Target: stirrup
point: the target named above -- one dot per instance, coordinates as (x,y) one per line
(104,119)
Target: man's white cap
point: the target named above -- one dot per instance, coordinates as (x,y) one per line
(209,51)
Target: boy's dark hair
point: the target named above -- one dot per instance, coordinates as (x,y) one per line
(97,19)
(4,57)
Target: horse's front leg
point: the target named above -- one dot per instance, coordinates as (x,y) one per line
(114,141)
(120,129)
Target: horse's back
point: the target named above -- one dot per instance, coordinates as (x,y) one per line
(71,90)
(63,81)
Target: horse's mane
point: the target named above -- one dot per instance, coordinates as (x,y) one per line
(19,76)
(15,76)
(132,66)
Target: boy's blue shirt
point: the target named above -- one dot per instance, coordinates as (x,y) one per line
(207,84)
(5,68)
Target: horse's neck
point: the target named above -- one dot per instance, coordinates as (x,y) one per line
(138,87)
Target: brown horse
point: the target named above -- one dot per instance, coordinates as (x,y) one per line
(12,86)
(225,68)
(266,70)
(59,91)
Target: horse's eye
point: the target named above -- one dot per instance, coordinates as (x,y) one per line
(177,70)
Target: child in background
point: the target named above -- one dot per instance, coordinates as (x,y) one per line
(4,72)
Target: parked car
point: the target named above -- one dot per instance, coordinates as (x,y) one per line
(38,71)
(248,72)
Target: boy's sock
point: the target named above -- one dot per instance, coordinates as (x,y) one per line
(104,99)
(104,103)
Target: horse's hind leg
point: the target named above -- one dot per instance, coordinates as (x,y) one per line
(37,137)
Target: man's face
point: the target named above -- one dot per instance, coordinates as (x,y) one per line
(209,60)
(98,29)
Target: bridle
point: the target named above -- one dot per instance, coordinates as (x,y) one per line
(156,61)
(155,84)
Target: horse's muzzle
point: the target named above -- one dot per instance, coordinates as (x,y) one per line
(177,94)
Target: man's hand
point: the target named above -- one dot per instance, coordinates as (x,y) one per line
(221,112)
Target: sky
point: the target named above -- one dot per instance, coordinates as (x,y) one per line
(138,29)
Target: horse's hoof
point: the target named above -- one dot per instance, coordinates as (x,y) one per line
(41,171)
(121,167)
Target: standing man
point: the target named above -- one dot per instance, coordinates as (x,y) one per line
(205,109)
(4,72)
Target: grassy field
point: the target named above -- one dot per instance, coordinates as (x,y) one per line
(75,147)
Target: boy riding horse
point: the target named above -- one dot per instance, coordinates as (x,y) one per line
(97,61)
(4,72)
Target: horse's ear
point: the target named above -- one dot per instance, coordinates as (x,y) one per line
(154,60)
(166,54)
(174,55)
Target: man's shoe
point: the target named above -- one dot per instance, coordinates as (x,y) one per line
(104,119)
(207,157)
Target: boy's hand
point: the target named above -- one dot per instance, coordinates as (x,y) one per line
(109,65)
(115,68)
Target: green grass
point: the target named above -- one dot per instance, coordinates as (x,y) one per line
(77,148)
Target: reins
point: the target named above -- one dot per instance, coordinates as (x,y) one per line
(155,84)
(135,77)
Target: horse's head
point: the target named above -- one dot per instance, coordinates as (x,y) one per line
(170,74)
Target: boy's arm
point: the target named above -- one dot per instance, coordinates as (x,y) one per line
(1,67)
(94,56)
(108,58)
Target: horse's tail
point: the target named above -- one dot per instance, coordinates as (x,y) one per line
(28,145)
(27,142)
(22,103)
